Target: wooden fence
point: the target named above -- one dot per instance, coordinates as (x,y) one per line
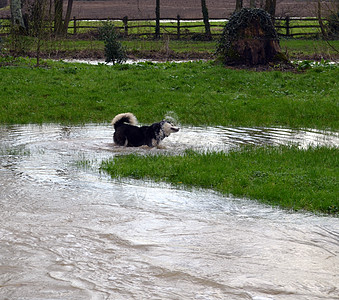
(177,28)
(180,28)
(296,27)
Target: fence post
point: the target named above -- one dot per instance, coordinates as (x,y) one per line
(74,25)
(287,26)
(125,20)
(178,27)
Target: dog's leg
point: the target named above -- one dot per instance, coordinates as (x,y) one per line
(126,143)
(155,143)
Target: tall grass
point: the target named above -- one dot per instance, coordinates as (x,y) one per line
(292,178)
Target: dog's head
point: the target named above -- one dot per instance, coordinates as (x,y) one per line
(168,128)
(161,130)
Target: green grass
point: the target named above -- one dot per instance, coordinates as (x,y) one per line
(299,48)
(200,93)
(176,46)
(286,176)
(295,48)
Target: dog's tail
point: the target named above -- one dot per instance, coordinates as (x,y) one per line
(124,118)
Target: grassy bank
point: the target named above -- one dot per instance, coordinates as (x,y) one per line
(199,93)
(285,176)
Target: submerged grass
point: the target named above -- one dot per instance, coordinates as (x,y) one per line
(199,93)
(6,151)
(293,178)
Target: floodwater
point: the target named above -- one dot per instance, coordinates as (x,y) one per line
(68,232)
(128,61)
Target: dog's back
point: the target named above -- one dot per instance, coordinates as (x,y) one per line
(129,136)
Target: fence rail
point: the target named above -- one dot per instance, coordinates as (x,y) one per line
(183,28)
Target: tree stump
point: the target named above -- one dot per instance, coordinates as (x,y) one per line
(249,38)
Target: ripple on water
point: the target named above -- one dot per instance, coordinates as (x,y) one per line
(70,233)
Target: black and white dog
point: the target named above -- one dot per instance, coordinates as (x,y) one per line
(129,135)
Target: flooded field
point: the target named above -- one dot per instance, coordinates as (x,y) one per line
(68,232)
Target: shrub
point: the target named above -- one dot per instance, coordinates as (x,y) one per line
(114,51)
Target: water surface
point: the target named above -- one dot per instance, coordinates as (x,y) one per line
(73,233)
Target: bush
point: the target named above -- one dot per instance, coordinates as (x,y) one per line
(114,51)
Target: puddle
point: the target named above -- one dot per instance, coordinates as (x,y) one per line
(70,233)
(136,61)
(128,61)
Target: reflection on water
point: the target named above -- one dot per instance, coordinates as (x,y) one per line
(70,233)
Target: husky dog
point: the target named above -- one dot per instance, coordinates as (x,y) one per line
(129,135)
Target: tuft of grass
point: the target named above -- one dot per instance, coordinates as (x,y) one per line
(6,151)
(285,176)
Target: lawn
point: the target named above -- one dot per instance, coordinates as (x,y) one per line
(201,93)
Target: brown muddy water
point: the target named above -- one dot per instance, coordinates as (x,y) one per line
(68,232)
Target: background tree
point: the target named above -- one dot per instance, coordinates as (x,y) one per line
(320,20)
(333,25)
(68,15)
(331,30)
(238,5)
(157,19)
(58,10)
(208,34)
(61,27)
(270,6)
(40,25)
(16,15)
(0,40)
